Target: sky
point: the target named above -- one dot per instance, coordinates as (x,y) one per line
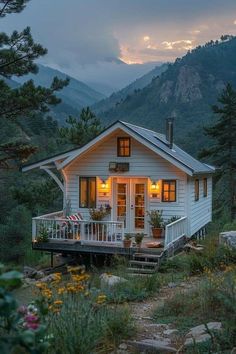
(85,37)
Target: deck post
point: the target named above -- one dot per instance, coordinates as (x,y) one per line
(51,259)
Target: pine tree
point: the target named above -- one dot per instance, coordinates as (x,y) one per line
(223,150)
(18,52)
(81,130)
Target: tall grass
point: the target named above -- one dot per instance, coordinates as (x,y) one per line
(213,300)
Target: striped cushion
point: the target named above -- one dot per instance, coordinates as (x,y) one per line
(75,217)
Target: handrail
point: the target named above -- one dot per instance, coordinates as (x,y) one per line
(175,230)
(83,230)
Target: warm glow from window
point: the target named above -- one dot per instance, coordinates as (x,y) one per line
(169,190)
(123,147)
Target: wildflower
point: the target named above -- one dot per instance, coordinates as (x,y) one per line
(41,285)
(22,310)
(101,299)
(58,302)
(31,322)
(61,290)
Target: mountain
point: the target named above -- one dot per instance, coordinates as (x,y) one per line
(117,97)
(74,97)
(186,91)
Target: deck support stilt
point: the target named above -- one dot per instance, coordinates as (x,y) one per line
(51,259)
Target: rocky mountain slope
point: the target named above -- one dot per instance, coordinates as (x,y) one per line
(117,97)
(186,91)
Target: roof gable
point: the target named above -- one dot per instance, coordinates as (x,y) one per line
(153,140)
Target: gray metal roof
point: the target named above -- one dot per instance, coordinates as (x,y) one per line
(159,140)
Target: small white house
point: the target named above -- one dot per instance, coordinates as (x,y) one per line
(133,170)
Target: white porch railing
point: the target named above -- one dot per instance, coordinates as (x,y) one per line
(55,227)
(175,230)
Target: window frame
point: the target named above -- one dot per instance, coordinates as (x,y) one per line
(205,187)
(118,146)
(169,181)
(196,191)
(87,178)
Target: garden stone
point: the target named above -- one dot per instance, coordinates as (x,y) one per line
(123,346)
(172,285)
(201,329)
(199,333)
(110,280)
(48,278)
(29,272)
(228,238)
(201,338)
(153,346)
(40,274)
(169,332)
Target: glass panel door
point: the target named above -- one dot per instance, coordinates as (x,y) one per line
(121,208)
(139,206)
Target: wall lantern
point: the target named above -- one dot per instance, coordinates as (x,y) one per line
(103,184)
(154,186)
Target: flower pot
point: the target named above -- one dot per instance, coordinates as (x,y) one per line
(127,243)
(139,245)
(157,232)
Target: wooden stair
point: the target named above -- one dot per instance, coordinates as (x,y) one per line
(144,263)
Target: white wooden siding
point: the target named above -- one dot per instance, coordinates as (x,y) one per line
(143,163)
(200,210)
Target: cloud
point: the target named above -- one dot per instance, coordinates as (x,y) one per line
(83,34)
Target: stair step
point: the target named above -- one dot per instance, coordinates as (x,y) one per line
(147,255)
(141,270)
(142,263)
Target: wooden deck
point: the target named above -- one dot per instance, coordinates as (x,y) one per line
(103,248)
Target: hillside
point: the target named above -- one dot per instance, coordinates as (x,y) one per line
(186,90)
(138,84)
(74,97)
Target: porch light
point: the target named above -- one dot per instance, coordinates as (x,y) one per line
(154,186)
(103,185)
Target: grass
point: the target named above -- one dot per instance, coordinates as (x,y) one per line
(214,299)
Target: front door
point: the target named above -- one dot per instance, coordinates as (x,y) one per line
(129,205)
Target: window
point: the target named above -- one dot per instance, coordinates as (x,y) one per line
(123,147)
(87,193)
(169,190)
(196,189)
(204,187)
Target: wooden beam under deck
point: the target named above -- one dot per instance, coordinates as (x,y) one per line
(102,249)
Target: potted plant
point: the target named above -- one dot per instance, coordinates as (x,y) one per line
(98,215)
(42,234)
(138,239)
(127,240)
(156,222)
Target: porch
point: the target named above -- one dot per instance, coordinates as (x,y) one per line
(55,233)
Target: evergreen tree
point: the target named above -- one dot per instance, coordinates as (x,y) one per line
(223,150)
(17,55)
(81,130)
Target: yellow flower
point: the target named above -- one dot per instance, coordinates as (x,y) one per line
(61,291)
(41,285)
(58,302)
(101,299)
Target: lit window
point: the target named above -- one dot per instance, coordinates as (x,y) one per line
(196,189)
(204,187)
(87,192)
(123,147)
(169,191)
